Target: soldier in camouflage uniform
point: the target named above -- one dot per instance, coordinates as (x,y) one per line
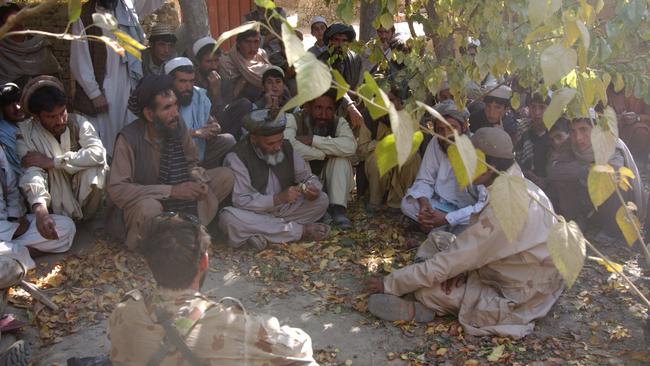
(176,325)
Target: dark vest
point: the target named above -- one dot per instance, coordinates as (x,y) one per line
(258,169)
(98,53)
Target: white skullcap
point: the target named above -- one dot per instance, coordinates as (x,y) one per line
(318,19)
(202,42)
(502,92)
(177,62)
(473,42)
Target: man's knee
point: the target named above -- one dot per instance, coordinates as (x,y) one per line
(222,181)
(145,209)
(66,230)
(410,207)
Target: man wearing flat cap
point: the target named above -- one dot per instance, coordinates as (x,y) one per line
(276,93)
(162,48)
(11,112)
(155,168)
(435,200)
(276,198)
(64,160)
(495,287)
(195,109)
(491,111)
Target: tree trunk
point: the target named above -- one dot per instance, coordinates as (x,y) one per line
(369,11)
(195,17)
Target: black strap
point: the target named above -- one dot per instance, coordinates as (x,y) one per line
(172,340)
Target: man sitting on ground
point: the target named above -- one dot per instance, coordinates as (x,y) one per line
(493,286)
(195,110)
(276,197)
(63,158)
(176,324)
(328,144)
(11,112)
(276,93)
(162,48)
(155,166)
(435,200)
(19,232)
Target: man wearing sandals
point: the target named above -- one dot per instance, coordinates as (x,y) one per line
(175,324)
(494,287)
(276,198)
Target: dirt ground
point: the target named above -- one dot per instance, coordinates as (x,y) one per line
(319,288)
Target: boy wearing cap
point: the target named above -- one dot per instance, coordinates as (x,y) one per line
(195,110)
(276,93)
(494,287)
(11,112)
(162,47)
(318,27)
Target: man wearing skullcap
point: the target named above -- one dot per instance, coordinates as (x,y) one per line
(63,159)
(155,168)
(207,65)
(336,37)
(568,177)
(196,111)
(276,198)
(162,47)
(435,200)
(104,79)
(327,143)
(494,286)
(318,27)
(11,112)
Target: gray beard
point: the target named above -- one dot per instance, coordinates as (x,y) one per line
(274,159)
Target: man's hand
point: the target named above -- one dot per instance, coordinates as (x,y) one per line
(189,191)
(45,223)
(354,116)
(311,193)
(207,132)
(100,104)
(37,159)
(375,285)
(430,218)
(307,140)
(214,80)
(289,195)
(22,227)
(452,283)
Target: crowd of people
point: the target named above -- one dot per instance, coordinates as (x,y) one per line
(191,137)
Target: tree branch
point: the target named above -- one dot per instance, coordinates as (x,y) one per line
(25,13)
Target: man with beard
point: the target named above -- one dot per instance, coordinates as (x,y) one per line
(103,78)
(276,197)
(63,159)
(162,47)
(11,113)
(328,144)
(435,201)
(176,324)
(568,178)
(155,166)
(347,62)
(195,110)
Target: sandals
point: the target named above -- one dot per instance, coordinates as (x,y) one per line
(16,355)
(315,232)
(394,308)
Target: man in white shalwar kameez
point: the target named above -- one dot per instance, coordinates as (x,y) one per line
(104,78)
(494,287)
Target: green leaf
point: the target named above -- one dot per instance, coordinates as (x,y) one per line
(345,10)
(233,32)
(403,127)
(313,79)
(560,100)
(566,244)
(74,10)
(557,61)
(509,200)
(467,153)
(293,46)
(343,86)
(370,90)
(386,20)
(497,352)
(459,167)
(603,142)
(584,33)
(386,151)
(628,224)
(266,4)
(537,12)
(619,83)
(600,184)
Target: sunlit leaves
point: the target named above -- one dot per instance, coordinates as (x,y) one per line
(611,267)
(624,176)
(293,47)
(600,184)
(557,61)
(560,100)
(566,244)
(345,10)
(130,45)
(386,151)
(509,200)
(266,4)
(460,171)
(377,105)
(540,10)
(403,127)
(342,86)
(235,31)
(603,142)
(74,10)
(105,21)
(628,223)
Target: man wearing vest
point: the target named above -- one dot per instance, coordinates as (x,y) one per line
(328,144)
(276,198)
(155,166)
(63,159)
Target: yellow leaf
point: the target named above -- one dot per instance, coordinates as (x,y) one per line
(403,127)
(561,99)
(113,44)
(557,61)
(343,86)
(126,39)
(293,47)
(459,167)
(313,78)
(134,52)
(441,351)
(266,4)
(379,102)
(604,144)
(74,10)
(509,200)
(386,151)
(628,224)
(515,101)
(571,30)
(611,267)
(619,82)
(496,354)
(566,244)
(600,184)
(323,264)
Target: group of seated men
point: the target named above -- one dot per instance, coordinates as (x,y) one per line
(209,146)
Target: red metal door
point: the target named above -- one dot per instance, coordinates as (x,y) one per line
(225,15)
